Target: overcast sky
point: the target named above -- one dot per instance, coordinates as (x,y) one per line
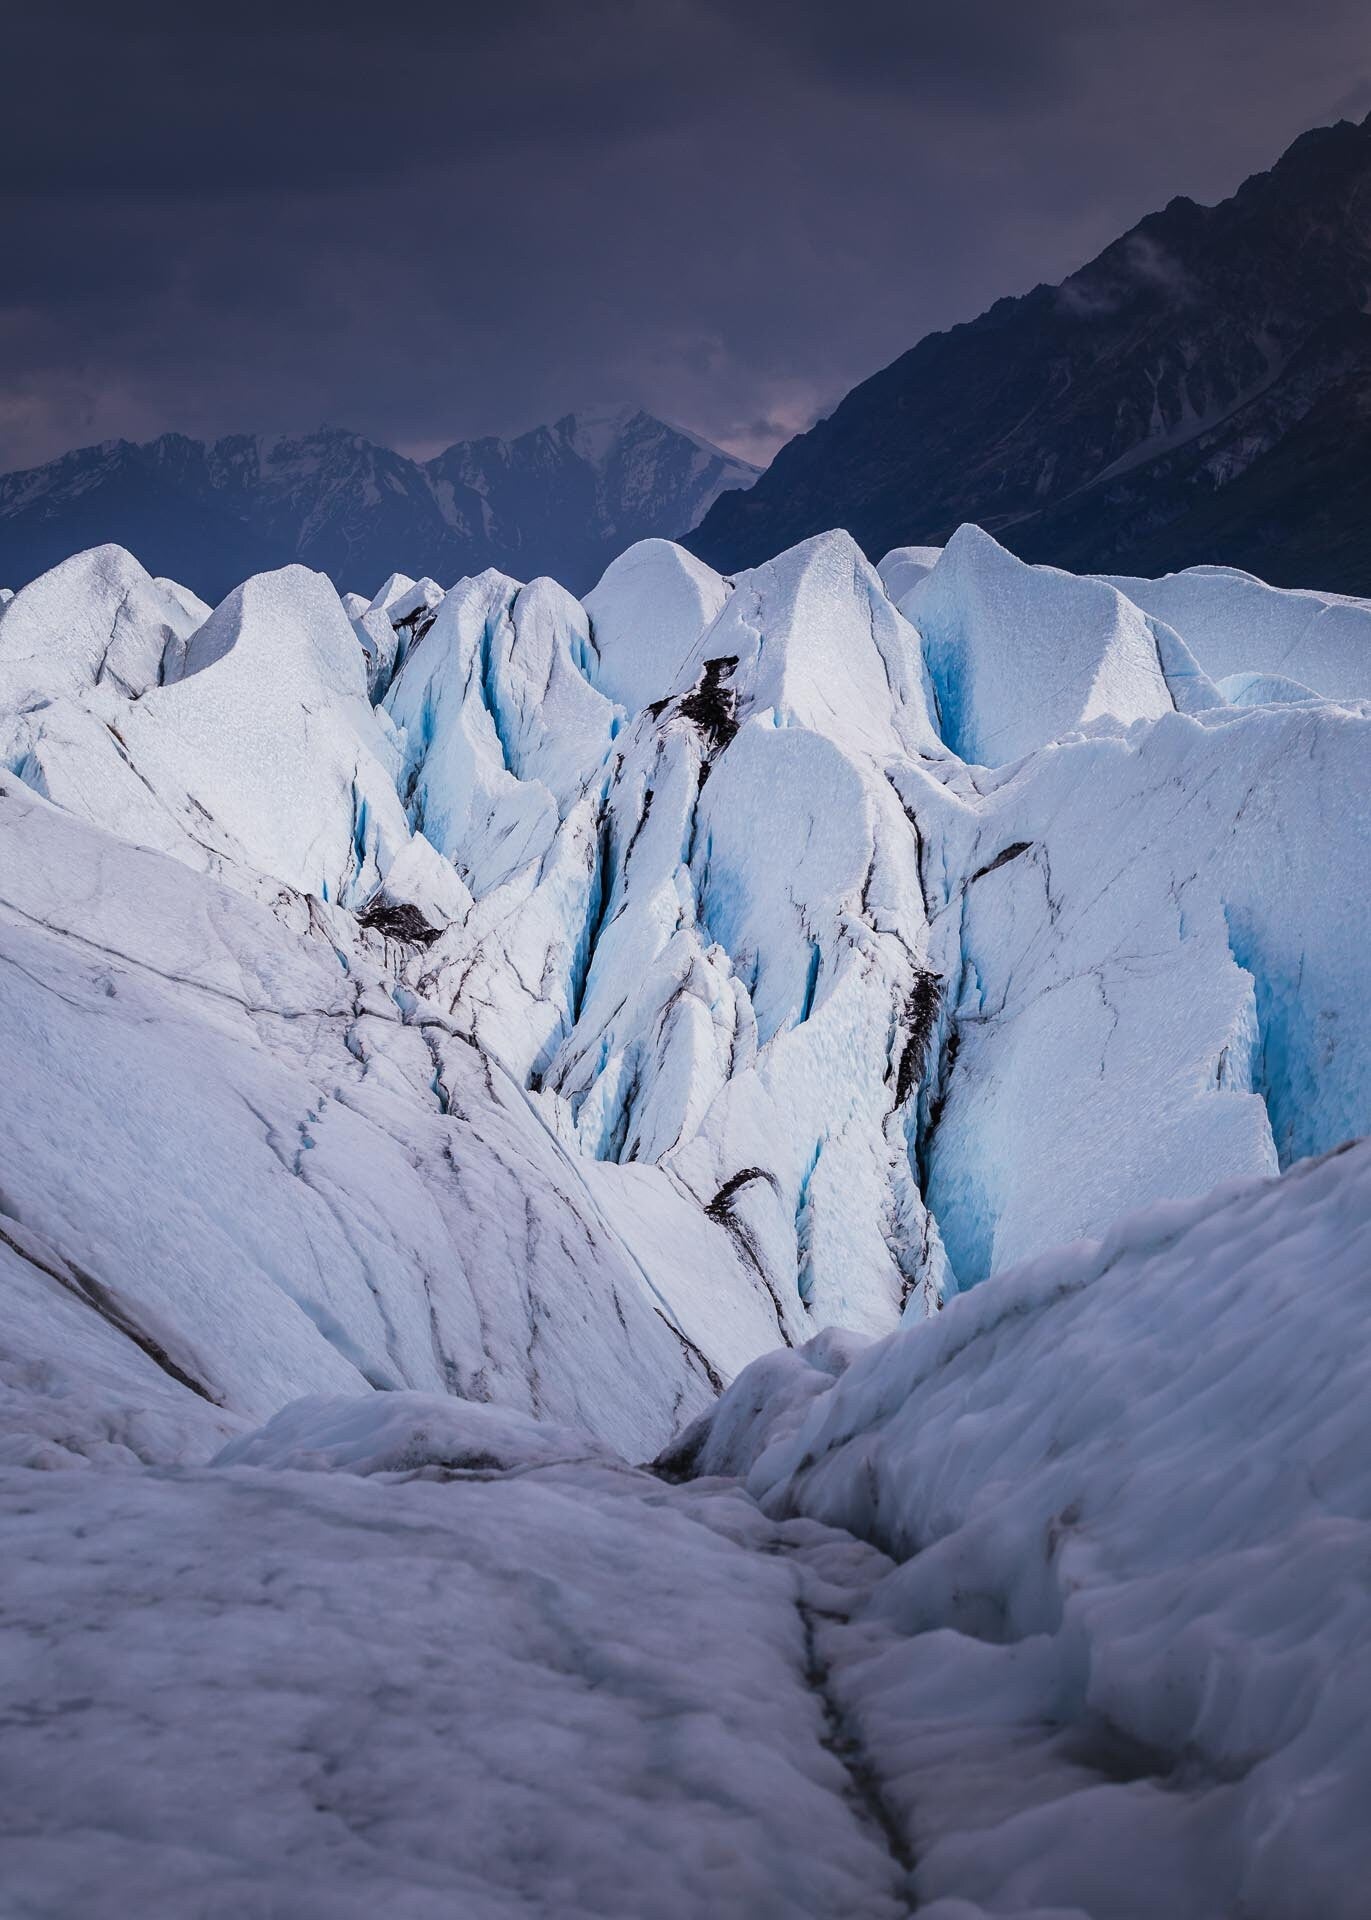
(428,222)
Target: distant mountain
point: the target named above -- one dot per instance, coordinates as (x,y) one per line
(1200,392)
(563,500)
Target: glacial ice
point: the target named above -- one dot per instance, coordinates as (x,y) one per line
(1021,656)
(388,625)
(98,619)
(287,1181)
(1234,623)
(1054,1606)
(1122,1662)
(452,1038)
(904,567)
(889,1020)
(650,607)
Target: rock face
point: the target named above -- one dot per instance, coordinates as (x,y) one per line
(1200,392)
(461,1044)
(562,500)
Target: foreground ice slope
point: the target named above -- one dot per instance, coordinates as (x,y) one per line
(240,1164)
(1123,1665)
(1056,1606)
(530,1688)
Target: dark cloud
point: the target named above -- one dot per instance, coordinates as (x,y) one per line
(426,221)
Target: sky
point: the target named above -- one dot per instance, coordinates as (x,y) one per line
(429,222)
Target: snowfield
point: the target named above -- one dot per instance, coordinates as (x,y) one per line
(879,1045)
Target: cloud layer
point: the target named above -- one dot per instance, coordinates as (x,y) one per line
(429,221)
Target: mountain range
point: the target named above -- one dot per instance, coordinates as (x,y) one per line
(560,500)
(1200,392)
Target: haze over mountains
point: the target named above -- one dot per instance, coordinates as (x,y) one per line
(1199,393)
(559,500)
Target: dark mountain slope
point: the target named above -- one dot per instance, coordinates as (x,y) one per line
(1190,377)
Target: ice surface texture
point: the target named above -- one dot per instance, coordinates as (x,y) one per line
(1128,1492)
(450,1038)
(825,1019)
(1054,1606)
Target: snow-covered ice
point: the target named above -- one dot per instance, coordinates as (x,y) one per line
(648,610)
(1056,1606)
(1020,656)
(874,1019)
(277,1174)
(904,567)
(1235,623)
(1123,1663)
(98,619)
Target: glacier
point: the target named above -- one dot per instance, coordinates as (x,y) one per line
(696,1243)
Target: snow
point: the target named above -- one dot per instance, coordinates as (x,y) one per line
(196,610)
(558,1689)
(922,1043)
(406,1433)
(393,589)
(1139,1010)
(1264,690)
(745,1016)
(677,1000)
(596,431)
(380,643)
(268,726)
(1053,1606)
(75,1391)
(257,752)
(823,649)
(505,751)
(456,777)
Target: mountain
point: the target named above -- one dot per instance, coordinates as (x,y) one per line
(1201,392)
(694,1253)
(562,500)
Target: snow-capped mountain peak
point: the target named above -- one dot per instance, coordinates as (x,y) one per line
(560,500)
